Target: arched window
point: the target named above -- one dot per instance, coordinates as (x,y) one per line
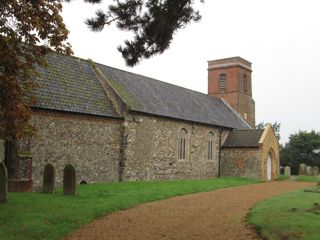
(210,145)
(182,143)
(245,83)
(222,82)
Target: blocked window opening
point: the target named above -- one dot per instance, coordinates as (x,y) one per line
(245,83)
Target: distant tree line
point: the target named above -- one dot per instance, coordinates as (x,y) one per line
(303,147)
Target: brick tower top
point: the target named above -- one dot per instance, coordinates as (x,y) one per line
(230,79)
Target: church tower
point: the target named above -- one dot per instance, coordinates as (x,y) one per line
(230,79)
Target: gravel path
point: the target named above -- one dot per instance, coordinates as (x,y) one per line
(216,215)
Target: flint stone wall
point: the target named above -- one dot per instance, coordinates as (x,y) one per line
(90,144)
(151,150)
(241,162)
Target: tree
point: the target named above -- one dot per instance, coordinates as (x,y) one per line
(276,127)
(303,147)
(28,29)
(153,23)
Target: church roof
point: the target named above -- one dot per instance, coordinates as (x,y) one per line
(243,138)
(147,95)
(70,84)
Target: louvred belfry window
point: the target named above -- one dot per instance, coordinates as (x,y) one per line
(223,82)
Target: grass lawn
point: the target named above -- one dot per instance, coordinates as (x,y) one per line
(283,177)
(299,178)
(51,216)
(295,215)
(303,178)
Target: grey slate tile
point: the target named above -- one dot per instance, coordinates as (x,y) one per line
(147,95)
(70,84)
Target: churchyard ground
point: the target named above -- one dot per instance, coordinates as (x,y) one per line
(53,216)
(37,215)
(291,216)
(220,214)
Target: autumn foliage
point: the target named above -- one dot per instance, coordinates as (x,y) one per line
(28,30)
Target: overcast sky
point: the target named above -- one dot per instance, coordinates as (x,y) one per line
(280,37)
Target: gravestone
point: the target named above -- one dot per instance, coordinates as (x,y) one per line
(302,169)
(3,183)
(308,171)
(318,180)
(69,180)
(315,171)
(287,171)
(48,179)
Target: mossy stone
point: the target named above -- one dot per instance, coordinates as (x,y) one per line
(48,179)
(69,180)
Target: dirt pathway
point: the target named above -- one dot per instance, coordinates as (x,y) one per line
(216,215)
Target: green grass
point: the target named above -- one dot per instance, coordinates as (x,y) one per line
(299,178)
(44,216)
(303,178)
(295,215)
(283,177)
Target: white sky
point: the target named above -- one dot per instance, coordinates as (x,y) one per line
(280,37)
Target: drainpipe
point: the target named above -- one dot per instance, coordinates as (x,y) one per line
(220,130)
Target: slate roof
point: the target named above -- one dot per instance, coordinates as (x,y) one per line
(243,138)
(147,95)
(70,84)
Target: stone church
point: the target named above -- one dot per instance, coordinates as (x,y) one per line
(113,125)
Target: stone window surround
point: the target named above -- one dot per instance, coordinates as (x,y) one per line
(211,141)
(183,144)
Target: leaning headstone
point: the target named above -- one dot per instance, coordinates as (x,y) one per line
(3,183)
(315,171)
(302,169)
(309,171)
(69,180)
(287,171)
(48,179)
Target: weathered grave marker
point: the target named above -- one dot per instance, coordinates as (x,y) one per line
(315,171)
(308,171)
(302,169)
(48,179)
(69,180)
(287,171)
(3,183)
